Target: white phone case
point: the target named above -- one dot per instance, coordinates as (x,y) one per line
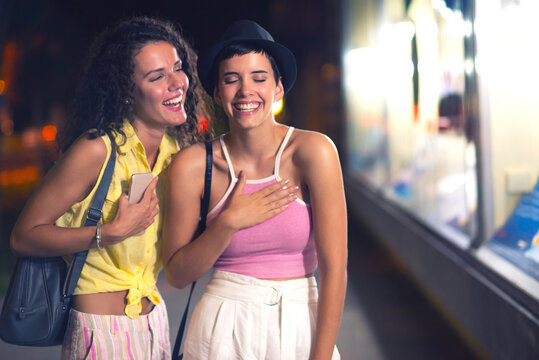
(139,183)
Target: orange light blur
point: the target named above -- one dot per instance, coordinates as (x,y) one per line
(329,72)
(19,176)
(49,132)
(3,86)
(6,124)
(8,61)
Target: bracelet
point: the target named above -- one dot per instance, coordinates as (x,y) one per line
(98,236)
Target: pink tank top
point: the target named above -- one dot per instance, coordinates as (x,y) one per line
(280,247)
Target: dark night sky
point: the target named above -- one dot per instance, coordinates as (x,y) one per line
(52,38)
(201,19)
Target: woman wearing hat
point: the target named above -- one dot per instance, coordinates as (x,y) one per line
(264,245)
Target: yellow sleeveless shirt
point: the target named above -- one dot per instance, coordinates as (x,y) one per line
(134,263)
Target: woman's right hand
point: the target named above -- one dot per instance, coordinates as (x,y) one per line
(131,219)
(245,210)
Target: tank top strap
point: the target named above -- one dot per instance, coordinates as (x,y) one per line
(227,158)
(280,152)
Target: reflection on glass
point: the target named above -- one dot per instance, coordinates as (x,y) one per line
(508,72)
(518,239)
(407,133)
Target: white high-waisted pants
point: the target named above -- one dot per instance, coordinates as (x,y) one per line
(241,317)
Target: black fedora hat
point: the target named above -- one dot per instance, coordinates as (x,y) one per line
(248,32)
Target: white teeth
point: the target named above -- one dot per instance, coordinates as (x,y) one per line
(247,107)
(174,102)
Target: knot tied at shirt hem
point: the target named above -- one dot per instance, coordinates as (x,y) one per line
(133,308)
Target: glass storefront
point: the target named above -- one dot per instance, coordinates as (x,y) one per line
(405,93)
(439,98)
(508,73)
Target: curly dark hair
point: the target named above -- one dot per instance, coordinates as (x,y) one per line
(104,97)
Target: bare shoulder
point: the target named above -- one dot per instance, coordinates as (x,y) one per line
(190,160)
(82,162)
(312,146)
(87,151)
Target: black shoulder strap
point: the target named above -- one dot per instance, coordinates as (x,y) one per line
(94,215)
(207,187)
(204,206)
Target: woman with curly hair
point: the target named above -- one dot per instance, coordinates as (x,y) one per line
(140,85)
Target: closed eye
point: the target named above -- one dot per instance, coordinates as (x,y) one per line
(230,79)
(259,76)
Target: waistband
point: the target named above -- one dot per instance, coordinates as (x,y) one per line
(114,323)
(273,294)
(270,292)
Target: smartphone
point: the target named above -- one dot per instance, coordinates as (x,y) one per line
(139,183)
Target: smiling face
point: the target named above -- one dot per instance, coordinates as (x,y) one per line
(246,89)
(160,86)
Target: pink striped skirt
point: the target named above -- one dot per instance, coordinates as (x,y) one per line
(90,336)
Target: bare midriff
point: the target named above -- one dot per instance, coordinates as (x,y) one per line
(291,278)
(110,303)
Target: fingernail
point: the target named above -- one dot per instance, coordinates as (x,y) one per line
(286,181)
(296,187)
(284,187)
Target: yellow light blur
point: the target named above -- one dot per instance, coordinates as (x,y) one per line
(277,107)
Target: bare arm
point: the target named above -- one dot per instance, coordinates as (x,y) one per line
(322,172)
(184,260)
(71,179)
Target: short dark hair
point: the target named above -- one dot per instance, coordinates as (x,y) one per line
(243,48)
(104,97)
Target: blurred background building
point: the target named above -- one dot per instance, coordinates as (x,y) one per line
(441,121)
(432,104)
